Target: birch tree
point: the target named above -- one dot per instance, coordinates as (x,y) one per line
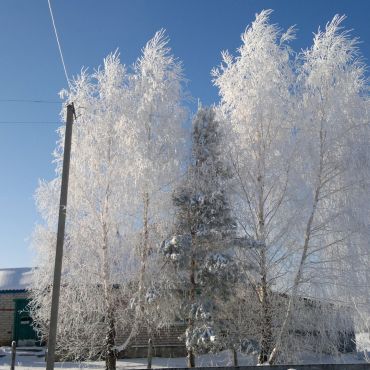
(97,253)
(293,128)
(257,106)
(124,152)
(334,164)
(158,139)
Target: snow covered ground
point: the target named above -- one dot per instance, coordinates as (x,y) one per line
(26,360)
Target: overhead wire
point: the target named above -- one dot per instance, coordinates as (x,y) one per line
(39,101)
(31,101)
(29,122)
(58,42)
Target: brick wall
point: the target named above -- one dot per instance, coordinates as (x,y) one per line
(7,306)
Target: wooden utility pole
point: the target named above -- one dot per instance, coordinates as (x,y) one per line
(60,240)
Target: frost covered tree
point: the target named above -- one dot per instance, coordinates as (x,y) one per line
(296,131)
(98,257)
(257,106)
(270,218)
(333,170)
(158,140)
(196,255)
(124,152)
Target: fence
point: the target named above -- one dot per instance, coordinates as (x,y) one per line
(291,367)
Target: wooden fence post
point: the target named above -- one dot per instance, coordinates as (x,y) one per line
(235,357)
(150,347)
(14,349)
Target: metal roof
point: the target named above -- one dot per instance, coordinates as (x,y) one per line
(15,278)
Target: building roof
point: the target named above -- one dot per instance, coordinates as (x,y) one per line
(15,278)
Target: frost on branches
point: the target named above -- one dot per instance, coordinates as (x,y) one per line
(196,256)
(257,105)
(259,243)
(294,125)
(126,141)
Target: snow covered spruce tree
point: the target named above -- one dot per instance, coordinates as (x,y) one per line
(127,122)
(196,255)
(257,109)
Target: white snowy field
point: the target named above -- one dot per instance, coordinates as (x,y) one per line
(26,360)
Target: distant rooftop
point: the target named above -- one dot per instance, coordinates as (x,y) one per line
(15,278)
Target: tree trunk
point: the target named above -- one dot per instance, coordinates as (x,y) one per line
(110,359)
(191,358)
(266,323)
(144,249)
(266,319)
(299,274)
(110,338)
(266,338)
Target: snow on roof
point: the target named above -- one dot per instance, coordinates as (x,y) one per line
(15,278)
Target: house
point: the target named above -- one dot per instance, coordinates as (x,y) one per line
(15,322)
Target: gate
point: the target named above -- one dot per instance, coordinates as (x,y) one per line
(24,334)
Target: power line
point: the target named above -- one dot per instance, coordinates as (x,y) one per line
(30,101)
(29,123)
(59,46)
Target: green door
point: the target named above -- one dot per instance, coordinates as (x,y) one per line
(23,330)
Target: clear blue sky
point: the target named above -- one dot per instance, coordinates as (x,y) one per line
(30,68)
